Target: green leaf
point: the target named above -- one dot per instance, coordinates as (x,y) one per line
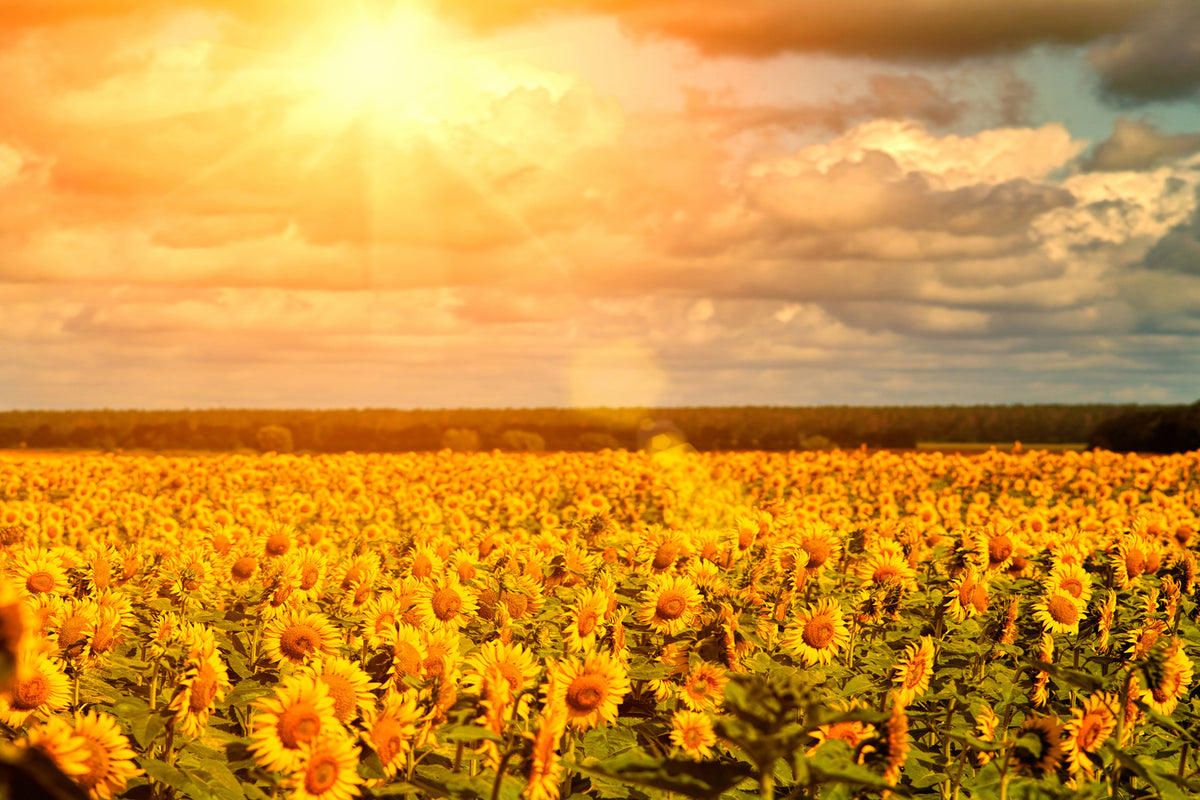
(697,779)
(163,772)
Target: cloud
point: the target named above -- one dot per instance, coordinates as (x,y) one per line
(1137,145)
(912,97)
(940,29)
(1179,250)
(1157,59)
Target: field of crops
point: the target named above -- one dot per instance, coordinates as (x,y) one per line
(612,625)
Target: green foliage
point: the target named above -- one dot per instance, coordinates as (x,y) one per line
(274,438)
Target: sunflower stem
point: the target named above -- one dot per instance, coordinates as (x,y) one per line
(500,768)
(1183,757)
(458,753)
(766,785)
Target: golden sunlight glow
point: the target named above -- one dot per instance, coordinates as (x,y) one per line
(397,67)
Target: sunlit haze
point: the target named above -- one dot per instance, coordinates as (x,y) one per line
(443,204)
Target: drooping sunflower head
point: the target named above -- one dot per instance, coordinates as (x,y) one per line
(391,731)
(1038,749)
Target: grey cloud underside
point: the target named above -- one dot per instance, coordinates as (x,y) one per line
(1136,145)
(1158,59)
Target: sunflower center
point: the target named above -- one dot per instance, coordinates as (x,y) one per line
(40,582)
(321,775)
(344,696)
(278,543)
(388,737)
(308,578)
(818,632)
(31,693)
(693,738)
(102,639)
(916,673)
(999,549)
(516,603)
(446,603)
(979,598)
(102,573)
(244,568)
(406,658)
(422,566)
(585,693)
(886,572)
(1062,610)
(1089,733)
(71,633)
(298,642)
(204,688)
(818,551)
(352,574)
(671,605)
(511,673)
(587,622)
(665,555)
(1072,586)
(1135,562)
(298,724)
(98,764)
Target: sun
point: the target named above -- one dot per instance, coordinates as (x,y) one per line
(398,67)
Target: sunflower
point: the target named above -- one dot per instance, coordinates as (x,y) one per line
(545,771)
(1172,676)
(445,603)
(390,732)
(39,686)
(311,564)
(1070,579)
(205,682)
(56,739)
(110,762)
(300,710)
(913,673)
(889,746)
(1059,613)
(1041,682)
(704,687)
(968,596)
(408,654)
(326,770)
(1141,641)
(514,662)
(822,544)
(1044,757)
(348,685)
(818,634)
(585,620)
(670,604)
(39,572)
(985,730)
(693,732)
(70,625)
(590,689)
(296,637)
(852,732)
(1128,561)
(880,569)
(1008,631)
(423,563)
(1087,730)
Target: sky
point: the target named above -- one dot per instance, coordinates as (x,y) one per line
(510,203)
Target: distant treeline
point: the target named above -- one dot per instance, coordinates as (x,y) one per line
(718,428)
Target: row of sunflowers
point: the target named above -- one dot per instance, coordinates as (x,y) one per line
(613,625)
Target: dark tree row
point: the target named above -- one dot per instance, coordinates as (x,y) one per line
(723,428)
(1163,430)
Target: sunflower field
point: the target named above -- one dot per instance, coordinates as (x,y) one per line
(603,625)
